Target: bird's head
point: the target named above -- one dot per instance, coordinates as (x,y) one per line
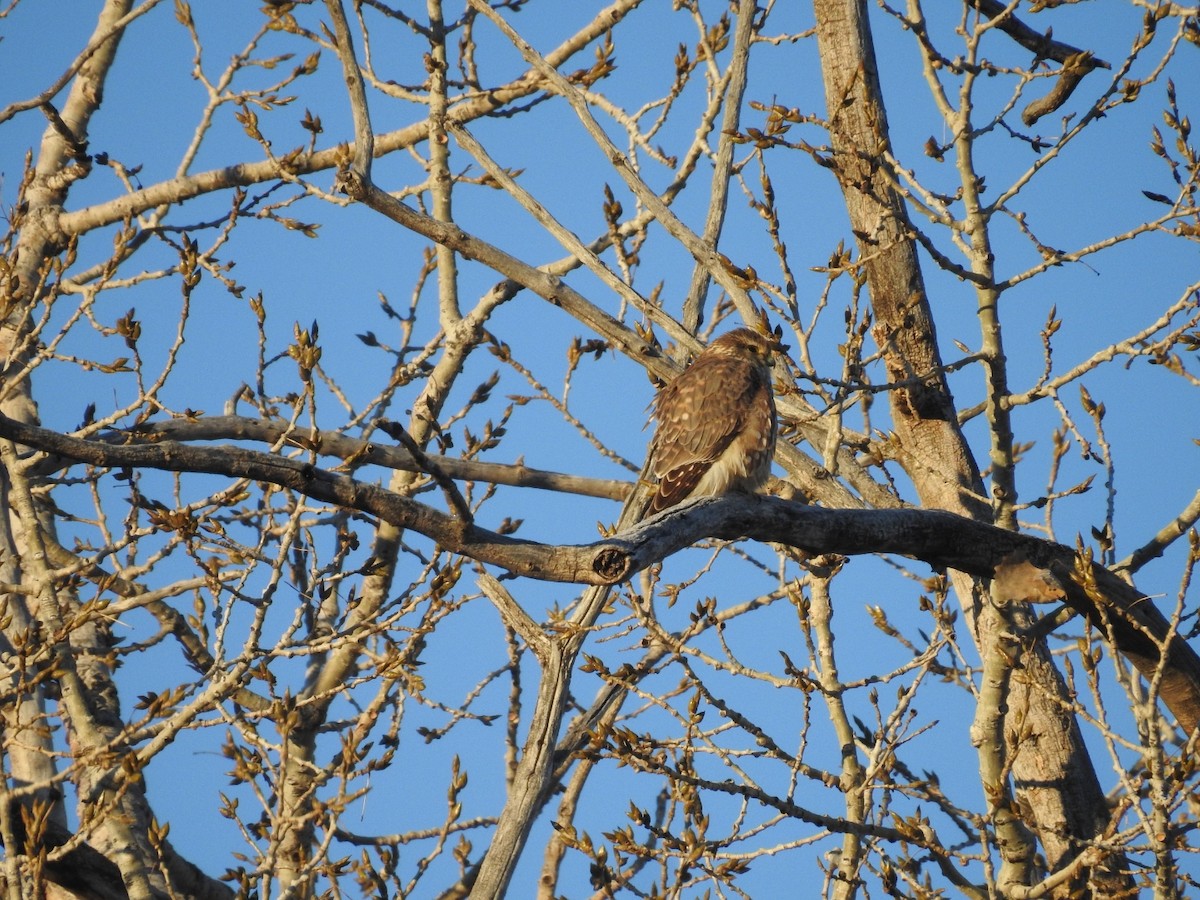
(746,343)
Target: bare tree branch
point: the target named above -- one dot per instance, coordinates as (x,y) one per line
(942,539)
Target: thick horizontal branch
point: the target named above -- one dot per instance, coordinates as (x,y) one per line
(520,557)
(1139,630)
(356,452)
(942,539)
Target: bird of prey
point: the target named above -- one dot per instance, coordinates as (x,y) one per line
(716,422)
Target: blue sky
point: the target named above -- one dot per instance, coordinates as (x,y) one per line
(1095,189)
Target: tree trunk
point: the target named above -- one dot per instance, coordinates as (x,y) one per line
(113,810)
(1054,777)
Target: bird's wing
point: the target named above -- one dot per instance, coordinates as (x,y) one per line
(699,415)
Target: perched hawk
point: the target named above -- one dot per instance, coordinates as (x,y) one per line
(716,422)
